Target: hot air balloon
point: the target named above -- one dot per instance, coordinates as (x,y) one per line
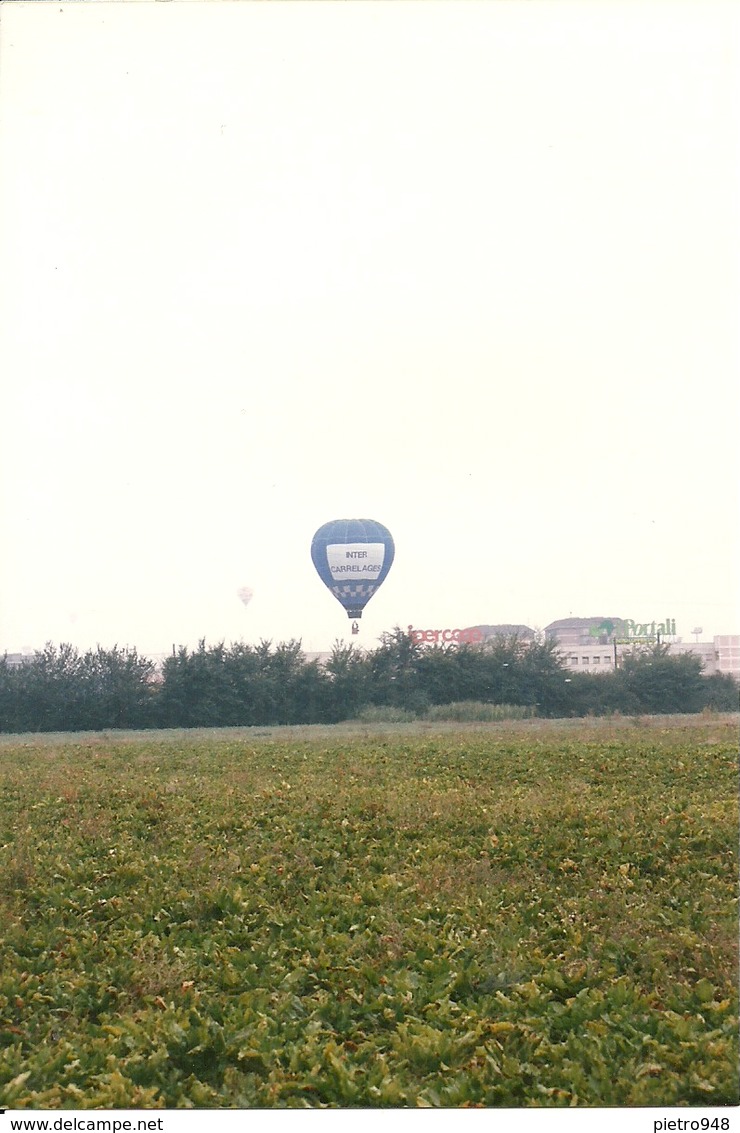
(244,594)
(353,557)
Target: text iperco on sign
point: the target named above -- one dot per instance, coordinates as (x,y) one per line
(434,636)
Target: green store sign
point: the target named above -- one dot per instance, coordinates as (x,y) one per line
(631,630)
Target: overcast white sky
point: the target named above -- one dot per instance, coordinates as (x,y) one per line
(469,269)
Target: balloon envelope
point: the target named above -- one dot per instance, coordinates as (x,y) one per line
(244,594)
(353,557)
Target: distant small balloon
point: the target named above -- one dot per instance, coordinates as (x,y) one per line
(244,594)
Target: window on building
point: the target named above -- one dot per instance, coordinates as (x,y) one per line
(597,660)
(584,660)
(574,660)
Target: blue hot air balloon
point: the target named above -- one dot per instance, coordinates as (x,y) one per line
(353,557)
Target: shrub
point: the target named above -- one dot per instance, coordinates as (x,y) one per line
(475,711)
(385,714)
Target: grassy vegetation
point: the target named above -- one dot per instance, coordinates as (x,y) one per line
(461,712)
(475,711)
(518,914)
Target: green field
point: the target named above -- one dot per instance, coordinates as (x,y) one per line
(517,914)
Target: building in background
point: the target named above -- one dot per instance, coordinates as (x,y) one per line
(727,646)
(580,632)
(524,633)
(595,645)
(587,645)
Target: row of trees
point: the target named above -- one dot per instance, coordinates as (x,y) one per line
(60,689)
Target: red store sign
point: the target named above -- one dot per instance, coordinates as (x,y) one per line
(436,636)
